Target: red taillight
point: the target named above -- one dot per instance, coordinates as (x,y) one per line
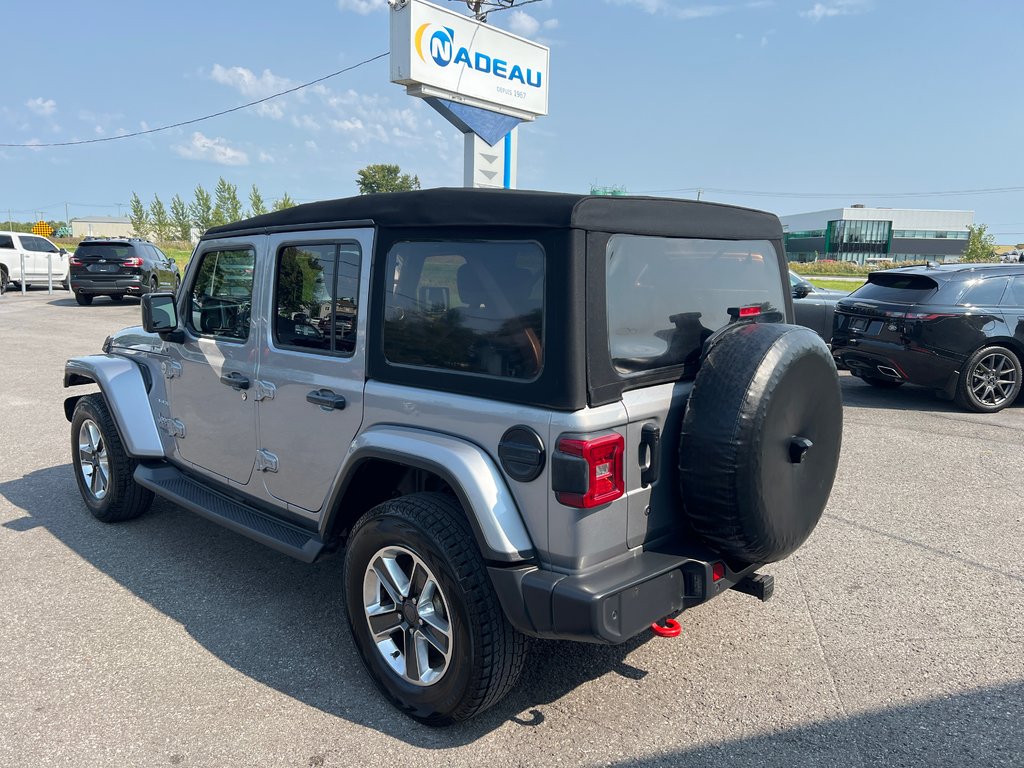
(605,479)
(926,315)
(132,261)
(717,571)
(744,313)
(74,261)
(750,311)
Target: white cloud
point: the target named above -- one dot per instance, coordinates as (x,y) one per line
(362,6)
(550,24)
(265,157)
(670,8)
(522,23)
(305,121)
(42,106)
(212,150)
(312,146)
(254,86)
(820,11)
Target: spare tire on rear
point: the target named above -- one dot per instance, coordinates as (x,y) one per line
(760,440)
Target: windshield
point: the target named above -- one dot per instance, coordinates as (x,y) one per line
(666,296)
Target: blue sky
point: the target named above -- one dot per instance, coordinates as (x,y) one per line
(787,97)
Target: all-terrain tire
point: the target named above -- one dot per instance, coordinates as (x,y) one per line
(487,654)
(760,440)
(122,498)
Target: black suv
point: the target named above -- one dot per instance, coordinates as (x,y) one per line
(957,329)
(117,267)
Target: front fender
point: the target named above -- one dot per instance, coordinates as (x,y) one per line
(469,471)
(124,388)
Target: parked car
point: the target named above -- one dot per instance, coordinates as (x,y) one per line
(119,267)
(42,259)
(521,413)
(957,329)
(814,307)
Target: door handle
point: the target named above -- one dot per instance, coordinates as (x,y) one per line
(235,380)
(650,439)
(326,398)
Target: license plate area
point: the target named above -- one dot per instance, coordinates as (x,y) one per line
(103,268)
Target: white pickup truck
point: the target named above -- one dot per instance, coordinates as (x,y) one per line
(40,256)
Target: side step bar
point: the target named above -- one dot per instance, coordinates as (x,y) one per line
(177,487)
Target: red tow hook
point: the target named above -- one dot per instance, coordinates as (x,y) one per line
(671,628)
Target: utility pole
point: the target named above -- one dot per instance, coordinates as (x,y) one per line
(67,218)
(699,190)
(474,6)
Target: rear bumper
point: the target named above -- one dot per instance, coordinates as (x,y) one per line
(925,368)
(614,603)
(118,284)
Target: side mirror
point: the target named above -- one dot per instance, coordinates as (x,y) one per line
(800,291)
(63,252)
(159,314)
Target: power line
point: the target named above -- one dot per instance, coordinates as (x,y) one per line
(204,117)
(761,193)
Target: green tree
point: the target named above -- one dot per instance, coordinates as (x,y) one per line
(161,221)
(256,205)
(981,246)
(385,177)
(228,207)
(139,217)
(201,209)
(180,220)
(284,202)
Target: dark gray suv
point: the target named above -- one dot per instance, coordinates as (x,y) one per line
(521,414)
(119,267)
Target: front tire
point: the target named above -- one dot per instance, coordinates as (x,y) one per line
(990,381)
(103,469)
(423,613)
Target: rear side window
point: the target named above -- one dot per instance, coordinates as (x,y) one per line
(470,307)
(222,294)
(6,241)
(984,293)
(897,288)
(666,296)
(316,297)
(1014,297)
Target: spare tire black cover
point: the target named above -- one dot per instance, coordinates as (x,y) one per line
(746,489)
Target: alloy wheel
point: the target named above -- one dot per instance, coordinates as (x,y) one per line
(993,379)
(93,462)
(408,615)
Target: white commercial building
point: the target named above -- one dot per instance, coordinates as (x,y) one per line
(101,226)
(863,234)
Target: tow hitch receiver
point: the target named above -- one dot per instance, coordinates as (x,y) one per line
(759,585)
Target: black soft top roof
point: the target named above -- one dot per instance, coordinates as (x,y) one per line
(517,208)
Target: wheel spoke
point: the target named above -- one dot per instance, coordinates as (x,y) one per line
(385,568)
(418,581)
(85,454)
(383,621)
(412,655)
(436,632)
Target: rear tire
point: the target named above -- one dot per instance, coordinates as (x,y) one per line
(990,381)
(85,299)
(103,469)
(882,383)
(154,285)
(117,297)
(3,281)
(416,541)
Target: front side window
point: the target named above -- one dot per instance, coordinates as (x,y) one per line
(221,294)
(470,307)
(317,297)
(666,295)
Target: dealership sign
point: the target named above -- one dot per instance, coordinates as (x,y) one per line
(443,54)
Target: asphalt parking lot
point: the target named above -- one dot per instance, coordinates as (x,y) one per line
(895,636)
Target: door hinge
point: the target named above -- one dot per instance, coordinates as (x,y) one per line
(264,390)
(172,427)
(265,461)
(171,369)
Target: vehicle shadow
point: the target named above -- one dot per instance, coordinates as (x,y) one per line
(982,727)
(99,302)
(860,394)
(274,619)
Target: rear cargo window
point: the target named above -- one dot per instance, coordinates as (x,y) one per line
(471,307)
(896,288)
(105,250)
(666,295)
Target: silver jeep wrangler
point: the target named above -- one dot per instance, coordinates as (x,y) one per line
(522,414)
